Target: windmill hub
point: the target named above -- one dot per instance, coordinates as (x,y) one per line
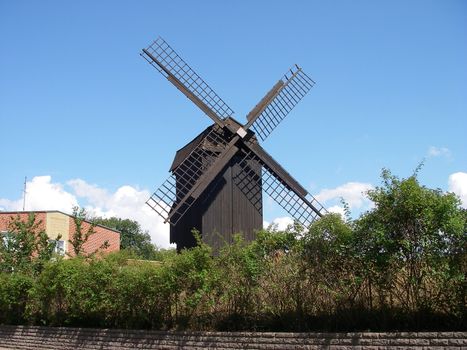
(217,180)
(241,132)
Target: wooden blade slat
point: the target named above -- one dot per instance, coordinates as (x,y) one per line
(161,56)
(175,196)
(275,106)
(283,189)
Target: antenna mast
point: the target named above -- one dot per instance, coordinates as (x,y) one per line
(24,193)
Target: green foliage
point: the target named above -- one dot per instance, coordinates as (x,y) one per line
(332,266)
(26,246)
(132,237)
(272,241)
(117,292)
(328,240)
(400,266)
(187,281)
(80,236)
(411,245)
(241,263)
(14,288)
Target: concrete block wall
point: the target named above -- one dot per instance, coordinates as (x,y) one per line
(37,338)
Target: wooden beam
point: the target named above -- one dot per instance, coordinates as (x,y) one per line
(207,177)
(191,96)
(261,106)
(276,168)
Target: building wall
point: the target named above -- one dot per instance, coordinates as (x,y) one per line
(57,223)
(96,240)
(5,219)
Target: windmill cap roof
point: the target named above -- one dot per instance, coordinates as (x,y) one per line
(185,151)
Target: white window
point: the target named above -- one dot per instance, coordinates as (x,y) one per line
(59,246)
(5,236)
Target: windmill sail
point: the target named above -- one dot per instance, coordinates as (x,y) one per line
(217,180)
(175,196)
(301,205)
(162,57)
(295,85)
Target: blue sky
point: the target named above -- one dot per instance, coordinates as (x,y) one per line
(88,121)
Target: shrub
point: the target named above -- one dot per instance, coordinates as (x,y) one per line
(14,297)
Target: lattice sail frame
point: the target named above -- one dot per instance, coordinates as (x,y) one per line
(296,85)
(185,176)
(305,210)
(173,63)
(176,188)
(249,181)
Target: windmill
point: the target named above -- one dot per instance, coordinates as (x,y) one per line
(217,180)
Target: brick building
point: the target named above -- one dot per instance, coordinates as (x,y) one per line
(56,222)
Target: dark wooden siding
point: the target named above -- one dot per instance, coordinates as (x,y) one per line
(181,234)
(231,204)
(247,204)
(217,211)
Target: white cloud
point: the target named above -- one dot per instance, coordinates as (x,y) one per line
(280,223)
(458,184)
(7,205)
(42,194)
(337,209)
(93,193)
(352,192)
(126,202)
(439,152)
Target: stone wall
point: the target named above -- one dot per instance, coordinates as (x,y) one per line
(30,337)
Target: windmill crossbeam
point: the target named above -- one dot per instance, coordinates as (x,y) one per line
(284,192)
(218,179)
(295,86)
(168,61)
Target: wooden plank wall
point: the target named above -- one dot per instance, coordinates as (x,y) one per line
(224,209)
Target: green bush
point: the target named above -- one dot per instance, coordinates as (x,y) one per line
(14,297)
(400,266)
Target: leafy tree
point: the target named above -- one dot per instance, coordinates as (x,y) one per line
(14,295)
(400,266)
(239,267)
(132,237)
(329,237)
(411,243)
(275,242)
(26,246)
(81,236)
(332,269)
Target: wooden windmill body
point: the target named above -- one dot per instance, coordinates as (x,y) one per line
(217,180)
(223,209)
